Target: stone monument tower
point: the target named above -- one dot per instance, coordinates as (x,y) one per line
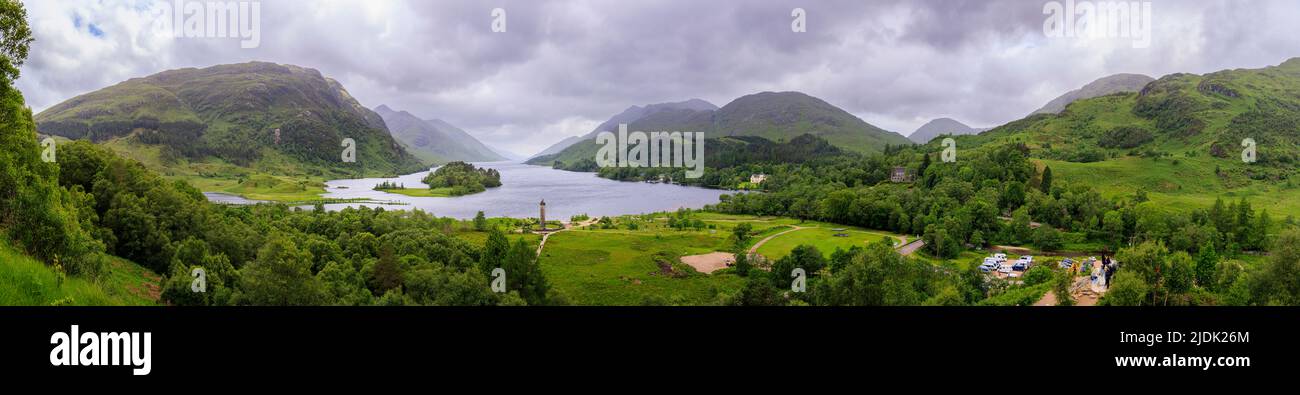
(543,216)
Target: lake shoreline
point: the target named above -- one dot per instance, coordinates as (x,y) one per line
(523,188)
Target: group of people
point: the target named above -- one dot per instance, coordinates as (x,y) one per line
(1101,274)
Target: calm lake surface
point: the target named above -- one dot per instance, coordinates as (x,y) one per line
(226,198)
(524,186)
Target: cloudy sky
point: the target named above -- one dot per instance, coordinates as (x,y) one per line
(562,67)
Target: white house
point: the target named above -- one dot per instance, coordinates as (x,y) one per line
(900,174)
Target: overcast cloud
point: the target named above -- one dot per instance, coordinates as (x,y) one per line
(562,67)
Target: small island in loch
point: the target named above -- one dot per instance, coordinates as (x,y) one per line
(452,179)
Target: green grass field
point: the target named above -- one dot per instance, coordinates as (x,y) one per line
(966,260)
(27,282)
(262,181)
(822,238)
(617,267)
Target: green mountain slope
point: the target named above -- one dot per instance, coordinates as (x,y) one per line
(784,115)
(435,141)
(1180,139)
(292,118)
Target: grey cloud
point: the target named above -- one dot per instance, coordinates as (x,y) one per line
(563,65)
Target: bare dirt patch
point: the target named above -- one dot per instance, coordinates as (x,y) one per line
(1083,292)
(711,262)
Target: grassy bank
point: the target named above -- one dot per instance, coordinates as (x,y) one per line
(1180,184)
(422,192)
(824,239)
(27,282)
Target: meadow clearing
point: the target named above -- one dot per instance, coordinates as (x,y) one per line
(637,260)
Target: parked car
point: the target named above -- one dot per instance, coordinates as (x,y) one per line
(1004,269)
(1067,263)
(1021,265)
(989,265)
(1000,257)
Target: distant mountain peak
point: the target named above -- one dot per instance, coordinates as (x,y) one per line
(435,140)
(941,126)
(628,116)
(773,116)
(1123,82)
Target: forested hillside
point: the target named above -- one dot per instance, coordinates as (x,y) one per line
(1180,139)
(68,221)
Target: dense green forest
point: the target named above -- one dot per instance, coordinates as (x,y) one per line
(269,254)
(463,178)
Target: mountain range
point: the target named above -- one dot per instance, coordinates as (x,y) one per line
(628,116)
(434,140)
(278,119)
(776,116)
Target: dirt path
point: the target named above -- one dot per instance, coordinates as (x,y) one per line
(1083,293)
(754,249)
(566,227)
(1049,299)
